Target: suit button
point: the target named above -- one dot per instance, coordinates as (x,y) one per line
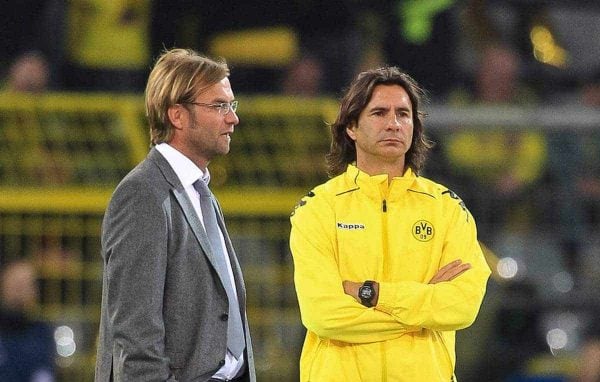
(222,362)
(224,317)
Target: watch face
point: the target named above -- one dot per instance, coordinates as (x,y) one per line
(366,292)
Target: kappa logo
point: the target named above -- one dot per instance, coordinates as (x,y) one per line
(350,226)
(423,230)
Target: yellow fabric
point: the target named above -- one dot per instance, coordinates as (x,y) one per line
(277,46)
(109,34)
(488,155)
(340,232)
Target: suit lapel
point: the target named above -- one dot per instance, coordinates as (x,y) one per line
(188,209)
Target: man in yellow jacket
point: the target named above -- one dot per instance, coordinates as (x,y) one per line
(387,263)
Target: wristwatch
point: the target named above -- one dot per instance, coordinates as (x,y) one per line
(366,293)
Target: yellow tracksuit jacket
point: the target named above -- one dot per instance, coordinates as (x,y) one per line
(355,227)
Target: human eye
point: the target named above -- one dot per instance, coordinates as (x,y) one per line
(221,107)
(403,113)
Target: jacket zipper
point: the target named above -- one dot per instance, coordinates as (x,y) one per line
(384,226)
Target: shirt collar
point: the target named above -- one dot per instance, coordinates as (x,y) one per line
(186,170)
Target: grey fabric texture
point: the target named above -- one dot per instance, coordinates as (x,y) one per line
(235,330)
(164,298)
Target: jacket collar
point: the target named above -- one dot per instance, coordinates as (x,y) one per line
(376,186)
(165,168)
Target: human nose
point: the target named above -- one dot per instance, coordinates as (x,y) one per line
(394,122)
(232,117)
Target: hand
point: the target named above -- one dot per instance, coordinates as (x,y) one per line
(450,271)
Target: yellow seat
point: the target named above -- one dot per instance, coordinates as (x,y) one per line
(266,47)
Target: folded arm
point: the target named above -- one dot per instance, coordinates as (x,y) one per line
(325,309)
(446,273)
(452,298)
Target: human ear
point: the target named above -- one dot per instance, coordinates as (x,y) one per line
(350,131)
(176,116)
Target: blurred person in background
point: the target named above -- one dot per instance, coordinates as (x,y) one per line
(89,45)
(304,77)
(575,165)
(106,45)
(21,23)
(579,190)
(29,73)
(387,263)
(499,170)
(26,345)
(498,167)
(173,296)
(589,182)
(422,37)
(332,46)
(589,359)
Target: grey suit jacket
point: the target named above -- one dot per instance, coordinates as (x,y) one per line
(164,306)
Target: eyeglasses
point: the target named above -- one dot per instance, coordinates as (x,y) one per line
(223,107)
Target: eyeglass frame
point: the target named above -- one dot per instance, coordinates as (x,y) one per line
(231,106)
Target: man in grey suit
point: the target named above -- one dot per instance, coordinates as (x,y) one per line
(173,297)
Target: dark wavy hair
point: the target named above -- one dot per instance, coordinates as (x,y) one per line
(343,149)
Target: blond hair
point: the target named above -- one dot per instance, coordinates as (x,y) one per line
(178,76)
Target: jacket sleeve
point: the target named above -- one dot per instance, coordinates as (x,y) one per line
(135,254)
(450,305)
(324,307)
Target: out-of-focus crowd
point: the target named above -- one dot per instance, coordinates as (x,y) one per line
(304,47)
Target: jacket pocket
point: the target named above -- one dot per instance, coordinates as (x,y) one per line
(334,361)
(444,343)
(318,351)
(176,360)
